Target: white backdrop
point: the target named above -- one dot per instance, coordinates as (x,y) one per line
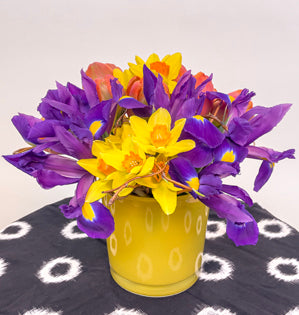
(251,44)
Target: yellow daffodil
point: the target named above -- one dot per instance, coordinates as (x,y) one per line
(129,161)
(155,136)
(169,68)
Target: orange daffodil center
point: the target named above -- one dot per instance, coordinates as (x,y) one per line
(161,67)
(160,135)
(131,160)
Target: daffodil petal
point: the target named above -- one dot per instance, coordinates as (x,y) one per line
(114,159)
(138,60)
(166,198)
(179,147)
(175,63)
(136,70)
(176,131)
(140,128)
(152,58)
(148,166)
(95,191)
(147,181)
(99,147)
(136,169)
(91,166)
(159,117)
(125,192)
(123,76)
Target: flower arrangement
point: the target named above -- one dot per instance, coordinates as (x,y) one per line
(155,130)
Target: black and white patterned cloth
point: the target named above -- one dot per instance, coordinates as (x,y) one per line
(48,267)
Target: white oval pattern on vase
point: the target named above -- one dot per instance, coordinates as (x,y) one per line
(128,233)
(42,311)
(198,224)
(3,266)
(225,270)
(187,221)
(113,244)
(278,262)
(175,259)
(149,219)
(74,269)
(284,229)
(69,233)
(23,229)
(144,267)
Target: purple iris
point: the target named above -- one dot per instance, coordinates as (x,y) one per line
(244,127)
(269,157)
(224,199)
(72,119)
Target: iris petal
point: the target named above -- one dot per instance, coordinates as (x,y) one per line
(97,222)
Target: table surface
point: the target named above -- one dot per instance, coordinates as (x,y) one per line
(48,267)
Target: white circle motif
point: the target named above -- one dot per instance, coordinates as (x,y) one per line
(112,209)
(165,221)
(24,229)
(198,224)
(215,311)
(42,311)
(68,231)
(198,262)
(113,244)
(3,266)
(273,270)
(188,221)
(220,231)
(45,275)
(225,271)
(293,311)
(144,261)
(125,311)
(175,259)
(149,219)
(128,233)
(284,228)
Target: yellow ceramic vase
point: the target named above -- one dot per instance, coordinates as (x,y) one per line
(154,254)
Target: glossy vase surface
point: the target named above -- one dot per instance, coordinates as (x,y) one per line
(154,254)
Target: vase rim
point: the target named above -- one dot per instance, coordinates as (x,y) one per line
(150,199)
